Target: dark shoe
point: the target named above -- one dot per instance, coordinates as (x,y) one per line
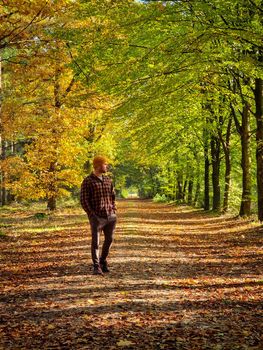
(104,267)
(97,270)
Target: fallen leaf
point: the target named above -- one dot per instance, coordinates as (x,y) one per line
(124,342)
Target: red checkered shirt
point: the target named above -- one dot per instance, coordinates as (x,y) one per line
(97,196)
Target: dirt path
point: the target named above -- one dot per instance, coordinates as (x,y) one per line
(179,280)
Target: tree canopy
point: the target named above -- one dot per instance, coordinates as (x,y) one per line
(171,91)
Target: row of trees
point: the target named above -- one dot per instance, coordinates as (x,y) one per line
(190,74)
(171,90)
(49,119)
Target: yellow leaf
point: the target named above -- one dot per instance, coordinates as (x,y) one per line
(124,342)
(50,326)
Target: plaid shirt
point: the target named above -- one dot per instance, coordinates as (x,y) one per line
(97,196)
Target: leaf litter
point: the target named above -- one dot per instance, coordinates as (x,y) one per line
(180,279)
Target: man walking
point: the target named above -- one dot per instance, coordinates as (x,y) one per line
(97,197)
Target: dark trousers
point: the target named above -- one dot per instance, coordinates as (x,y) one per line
(107,225)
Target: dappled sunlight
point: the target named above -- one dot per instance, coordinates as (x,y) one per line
(175,273)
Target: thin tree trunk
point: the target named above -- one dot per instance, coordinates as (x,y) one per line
(226,148)
(52,186)
(245,207)
(243,131)
(2,143)
(259,138)
(3,174)
(215,160)
(227,181)
(190,192)
(197,192)
(179,192)
(184,189)
(206,178)
(173,182)
(52,192)
(11,151)
(197,179)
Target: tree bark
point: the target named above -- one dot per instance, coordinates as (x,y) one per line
(226,148)
(173,182)
(196,179)
(197,192)
(179,191)
(190,192)
(245,207)
(227,181)
(52,190)
(2,143)
(206,175)
(52,186)
(184,189)
(259,139)
(52,203)
(3,175)
(215,160)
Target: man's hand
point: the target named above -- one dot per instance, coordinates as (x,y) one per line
(92,215)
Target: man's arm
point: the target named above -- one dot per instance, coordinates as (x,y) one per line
(84,198)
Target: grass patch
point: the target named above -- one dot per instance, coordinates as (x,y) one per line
(2,234)
(40,216)
(41,229)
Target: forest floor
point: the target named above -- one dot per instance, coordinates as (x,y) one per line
(180,279)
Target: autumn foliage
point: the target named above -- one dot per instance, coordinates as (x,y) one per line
(179,279)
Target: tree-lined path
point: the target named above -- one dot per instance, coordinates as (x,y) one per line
(180,279)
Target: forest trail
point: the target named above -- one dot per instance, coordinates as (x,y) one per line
(180,279)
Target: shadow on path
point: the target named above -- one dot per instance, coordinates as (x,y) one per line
(180,279)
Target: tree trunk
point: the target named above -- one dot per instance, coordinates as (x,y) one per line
(10,197)
(245,206)
(179,191)
(10,149)
(173,182)
(184,190)
(227,180)
(52,186)
(215,159)
(190,192)
(197,179)
(226,148)
(52,203)
(197,192)
(52,190)
(206,178)
(3,174)
(2,144)
(259,138)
